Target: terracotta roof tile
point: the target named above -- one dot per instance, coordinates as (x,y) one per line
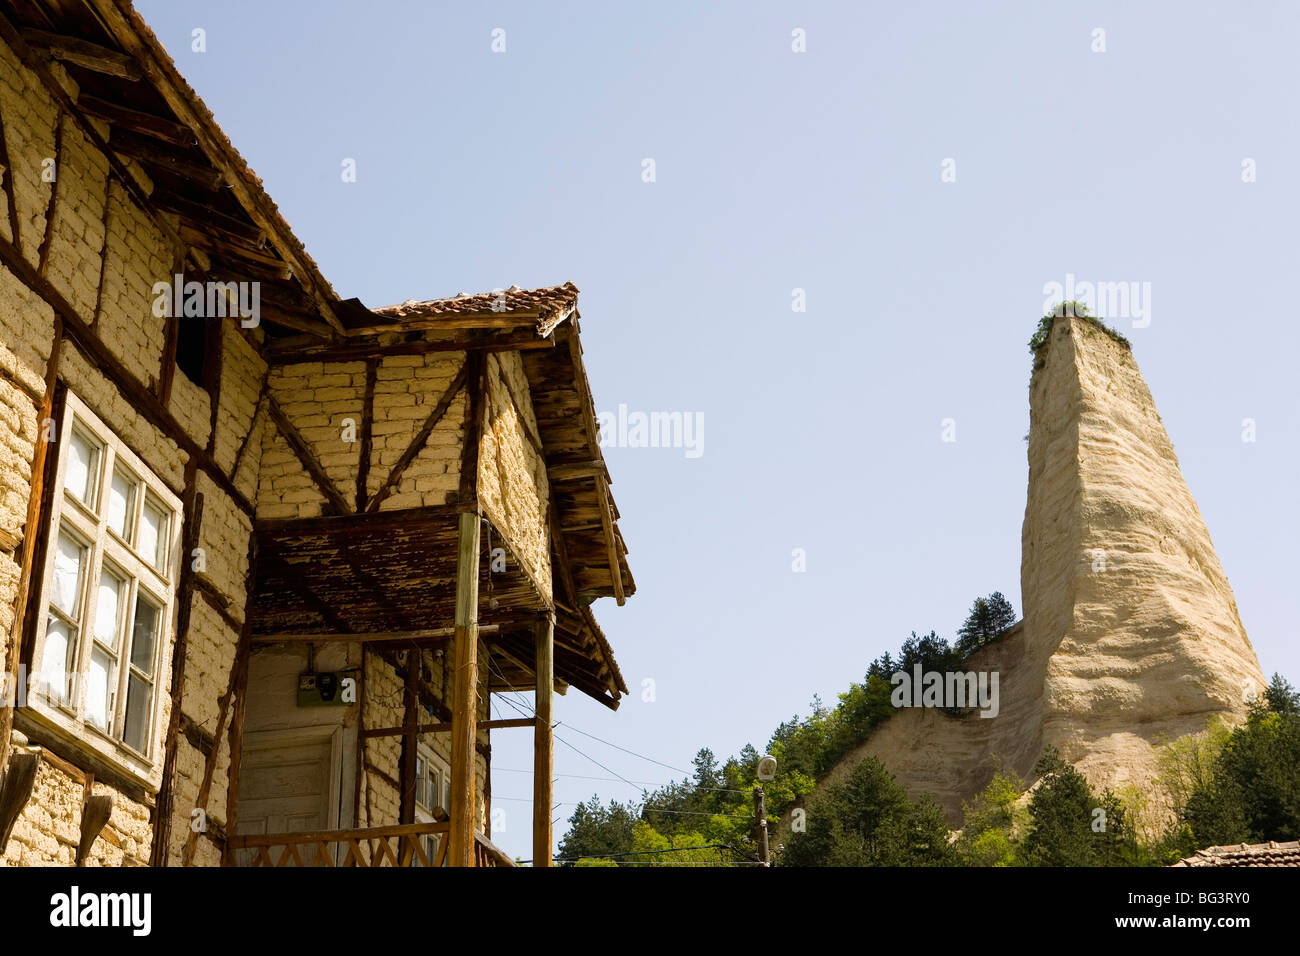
(1247,854)
(553,303)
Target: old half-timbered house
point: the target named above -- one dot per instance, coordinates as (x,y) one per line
(265,553)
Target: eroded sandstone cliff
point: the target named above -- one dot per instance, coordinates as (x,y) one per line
(1130,630)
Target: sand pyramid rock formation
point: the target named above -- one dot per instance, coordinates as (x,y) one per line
(1130,632)
(1124,596)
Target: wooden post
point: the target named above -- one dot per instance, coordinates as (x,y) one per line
(760,816)
(543,741)
(464,711)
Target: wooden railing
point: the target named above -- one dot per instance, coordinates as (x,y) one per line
(372,846)
(487,853)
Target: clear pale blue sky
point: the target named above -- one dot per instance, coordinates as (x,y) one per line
(820,170)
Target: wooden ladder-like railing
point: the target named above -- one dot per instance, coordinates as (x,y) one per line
(371,846)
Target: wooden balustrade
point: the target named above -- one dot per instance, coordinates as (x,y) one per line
(369,846)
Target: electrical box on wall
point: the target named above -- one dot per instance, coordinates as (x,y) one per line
(326,689)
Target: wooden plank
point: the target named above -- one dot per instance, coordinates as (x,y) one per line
(51,208)
(155,155)
(615,567)
(83,53)
(206,219)
(367,423)
(410,691)
(422,436)
(239,685)
(543,741)
(288,353)
(304,454)
(449,320)
(192,522)
(37,520)
(465,693)
(137,121)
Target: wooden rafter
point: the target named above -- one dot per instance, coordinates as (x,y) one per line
(611,540)
(83,53)
(117,17)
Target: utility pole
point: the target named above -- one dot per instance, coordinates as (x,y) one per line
(760,815)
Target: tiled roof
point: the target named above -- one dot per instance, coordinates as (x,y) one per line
(553,304)
(1247,854)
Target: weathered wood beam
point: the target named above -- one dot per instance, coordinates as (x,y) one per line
(122,23)
(367,424)
(37,518)
(450,320)
(426,636)
(215,245)
(155,155)
(543,741)
(305,456)
(206,219)
(192,520)
(465,677)
(288,353)
(611,542)
(422,436)
(137,121)
(92,56)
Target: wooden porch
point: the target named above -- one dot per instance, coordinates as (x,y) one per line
(398,846)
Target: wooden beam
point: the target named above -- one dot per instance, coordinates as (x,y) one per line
(425,636)
(451,320)
(155,155)
(92,56)
(44,253)
(37,519)
(123,23)
(239,685)
(611,543)
(410,737)
(367,424)
(207,219)
(422,436)
(465,693)
(543,741)
(211,242)
(137,121)
(304,454)
(192,522)
(289,353)
(464,715)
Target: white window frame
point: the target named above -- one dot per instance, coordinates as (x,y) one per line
(429,763)
(88,524)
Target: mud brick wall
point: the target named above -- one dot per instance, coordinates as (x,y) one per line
(80,227)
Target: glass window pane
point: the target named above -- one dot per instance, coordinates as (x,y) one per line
(121,504)
(139,701)
(144,634)
(108,609)
(99,689)
(153,535)
(54,658)
(65,587)
(83,465)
